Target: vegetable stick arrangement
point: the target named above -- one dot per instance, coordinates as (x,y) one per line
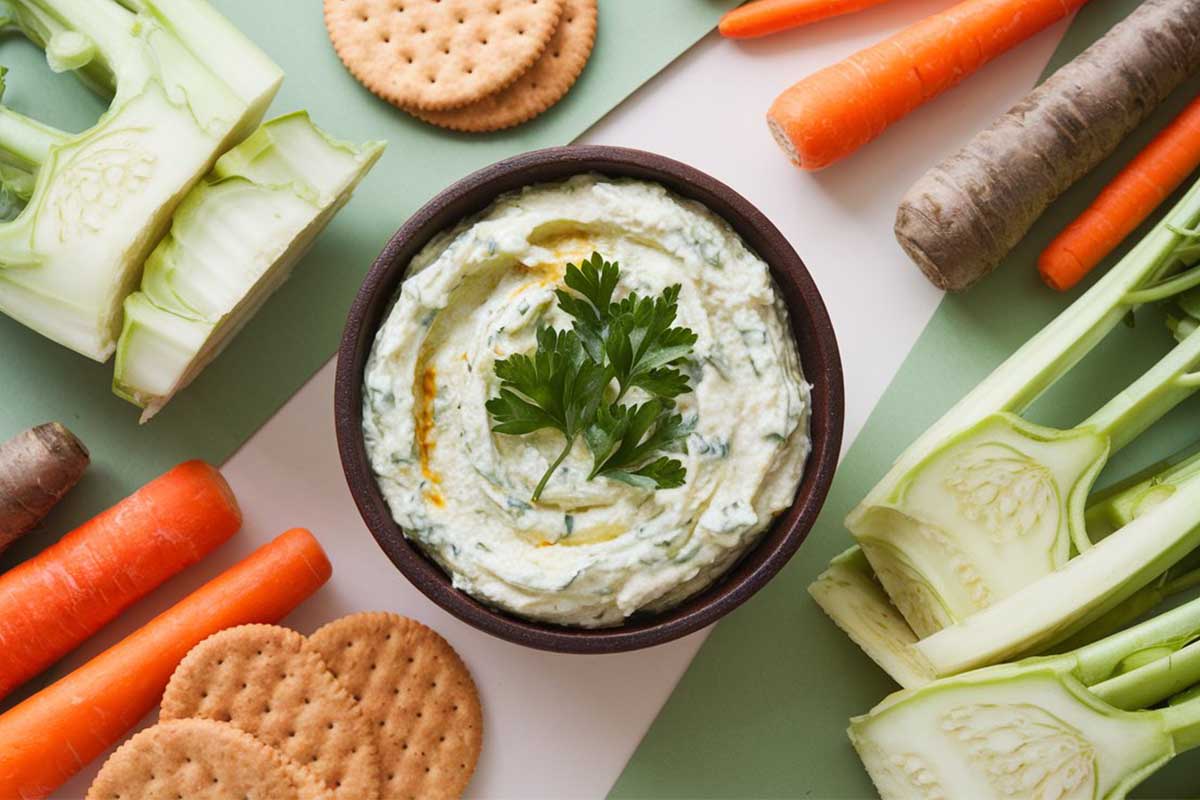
(967,213)
(982,471)
(976,549)
(180,149)
(56,600)
(983,547)
(963,216)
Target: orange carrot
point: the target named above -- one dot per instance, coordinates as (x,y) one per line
(762,17)
(1125,203)
(54,601)
(833,112)
(56,732)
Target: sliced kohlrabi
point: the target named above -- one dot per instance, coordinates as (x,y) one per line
(1082,591)
(852,596)
(1066,726)
(985,504)
(185,87)
(233,241)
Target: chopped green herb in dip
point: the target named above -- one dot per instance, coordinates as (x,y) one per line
(588,552)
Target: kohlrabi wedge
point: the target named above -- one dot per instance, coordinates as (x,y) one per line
(185,86)
(985,503)
(852,596)
(1061,727)
(233,241)
(1082,591)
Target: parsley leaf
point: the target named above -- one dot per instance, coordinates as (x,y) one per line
(643,349)
(558,387)
(566,385)
(625,439)
(634,336)
(594,281)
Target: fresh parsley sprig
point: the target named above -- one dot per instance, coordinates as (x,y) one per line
(559,387)
(575,380)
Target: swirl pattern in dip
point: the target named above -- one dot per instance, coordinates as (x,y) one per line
(589,553)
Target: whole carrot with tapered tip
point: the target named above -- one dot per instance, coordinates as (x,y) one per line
(763,17)
(833,112)
(53,602)
(1125,203)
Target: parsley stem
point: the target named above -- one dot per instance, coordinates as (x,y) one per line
(537,493)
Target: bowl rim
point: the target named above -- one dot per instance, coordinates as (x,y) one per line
(820,360)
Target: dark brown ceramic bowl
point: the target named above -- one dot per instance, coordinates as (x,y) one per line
(810,324)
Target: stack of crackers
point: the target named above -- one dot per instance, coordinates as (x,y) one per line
(467,65)
(371,707)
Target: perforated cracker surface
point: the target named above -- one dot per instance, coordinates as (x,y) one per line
(543,85)
(263,680)
(439,54)
(201,760)
(419,696)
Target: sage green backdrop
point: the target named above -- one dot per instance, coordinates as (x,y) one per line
(299,328)
(761,712)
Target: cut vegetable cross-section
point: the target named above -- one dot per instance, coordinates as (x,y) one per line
(985,503)
(1076,725)
(234,240)
(103,197)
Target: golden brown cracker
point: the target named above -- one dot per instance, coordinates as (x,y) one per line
(201,760)
(262,679)
(418,695)
(543,85)
(439,54)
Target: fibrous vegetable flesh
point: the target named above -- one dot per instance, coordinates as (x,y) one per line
(233,241)
(1077,725)
(185,86)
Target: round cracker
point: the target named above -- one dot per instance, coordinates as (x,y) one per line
(418,695)
(265,681)
(546,82)
(439,54)
(201,760)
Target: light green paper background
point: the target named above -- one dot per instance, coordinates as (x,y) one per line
(298,330)
(761,712)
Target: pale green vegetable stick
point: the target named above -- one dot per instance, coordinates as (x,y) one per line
(185,86)
(1062,726)
(233,241)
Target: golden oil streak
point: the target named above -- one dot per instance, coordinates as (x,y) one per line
(425,439)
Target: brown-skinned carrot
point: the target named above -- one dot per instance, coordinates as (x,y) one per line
(833,112)
(37,467)
(1125,203)
(52,735)
(53,602)
(764,17)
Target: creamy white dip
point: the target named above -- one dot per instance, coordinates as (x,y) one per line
(589,553)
